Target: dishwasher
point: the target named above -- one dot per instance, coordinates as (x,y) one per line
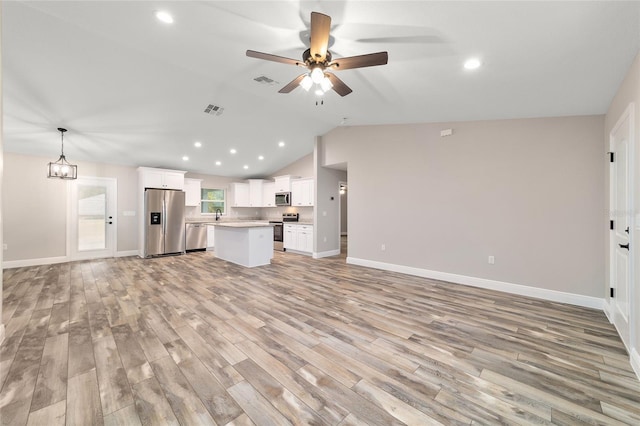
(196,236)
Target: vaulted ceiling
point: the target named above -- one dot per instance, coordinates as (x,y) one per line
(133,90)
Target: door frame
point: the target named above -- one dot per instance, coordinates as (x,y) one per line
(112,234)
(610,309)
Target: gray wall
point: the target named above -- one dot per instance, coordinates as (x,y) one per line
(628,92)
(528,192)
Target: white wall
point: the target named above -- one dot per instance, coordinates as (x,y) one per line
(628,92)
(528,192)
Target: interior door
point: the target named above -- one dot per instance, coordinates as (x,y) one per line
(92,230)
(620,248)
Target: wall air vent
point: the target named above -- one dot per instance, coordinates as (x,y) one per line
(265,80)
(213,110)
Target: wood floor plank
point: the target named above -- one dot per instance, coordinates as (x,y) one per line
(256,406)
(51,386)
(51,415)
(83,400)
(184,401)
(193,339)
(115,390)
(213,395)
(151,405)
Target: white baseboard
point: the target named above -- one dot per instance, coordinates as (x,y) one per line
(606,307)
(34,262)
(51,260)
(635,362)
(126,253)
(1,334)
(326,253)
(540,293)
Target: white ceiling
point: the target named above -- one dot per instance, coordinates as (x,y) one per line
(132,90)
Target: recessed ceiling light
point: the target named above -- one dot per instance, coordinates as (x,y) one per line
(164,17)
(261,157)
(185,158)
(218,163)
(280,144)
(472,64)
(245,167)
(233,150)
(197,144)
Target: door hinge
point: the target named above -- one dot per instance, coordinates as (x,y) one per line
(611,156)
(611,224)
(611,291)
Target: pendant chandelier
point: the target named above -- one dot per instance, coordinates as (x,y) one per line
(62,169)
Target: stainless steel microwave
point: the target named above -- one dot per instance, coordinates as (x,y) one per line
(283,198)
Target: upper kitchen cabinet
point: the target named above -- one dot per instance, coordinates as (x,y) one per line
(302,192)
(192,189)
(255,192)
(269,194)
(161,178)
(283,183)
(240,194)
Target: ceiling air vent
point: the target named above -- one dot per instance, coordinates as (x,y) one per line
(265,80)
(213,109)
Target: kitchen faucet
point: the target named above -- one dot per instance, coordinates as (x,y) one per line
(218,211)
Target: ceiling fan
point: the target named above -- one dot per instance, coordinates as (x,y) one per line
(318,60)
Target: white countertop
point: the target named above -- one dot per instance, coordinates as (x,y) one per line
(243,224)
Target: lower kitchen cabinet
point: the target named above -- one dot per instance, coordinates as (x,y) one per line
(210,235)
(298,238)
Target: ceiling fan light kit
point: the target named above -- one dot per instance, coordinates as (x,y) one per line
(317,59)
(62,169)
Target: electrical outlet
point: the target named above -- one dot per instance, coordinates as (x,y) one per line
(325,239)
(492,260)
(383,247)
(5,247)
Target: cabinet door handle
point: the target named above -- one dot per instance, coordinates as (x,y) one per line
(624,246)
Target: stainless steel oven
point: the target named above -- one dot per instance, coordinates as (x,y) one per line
(278,235)
(278,229)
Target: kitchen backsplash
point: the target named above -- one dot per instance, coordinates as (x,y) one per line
(246,213)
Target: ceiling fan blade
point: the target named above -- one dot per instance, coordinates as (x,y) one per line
(274,58)
(360,61)
(338,85)
(293,84)
(320,26)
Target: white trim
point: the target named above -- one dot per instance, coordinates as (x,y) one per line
(126,253)
(540,293)
(606,307)
(635,362)
(1,334)
(34,262)
(328,253)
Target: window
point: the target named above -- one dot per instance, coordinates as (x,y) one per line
(212,199)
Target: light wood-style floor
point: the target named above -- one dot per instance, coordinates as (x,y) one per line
(194,340)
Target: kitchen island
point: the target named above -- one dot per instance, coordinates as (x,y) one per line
(244,243)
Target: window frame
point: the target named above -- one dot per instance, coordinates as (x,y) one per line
(204,201)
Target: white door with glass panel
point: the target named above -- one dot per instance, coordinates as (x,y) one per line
(92,221)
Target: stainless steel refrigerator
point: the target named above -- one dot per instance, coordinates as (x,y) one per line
(164,222)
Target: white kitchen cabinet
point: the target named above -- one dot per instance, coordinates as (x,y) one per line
(283,183)
(302,192)
(298,238)
(161,178)
(290,237)
(255,192)
(192,193)
(210,237)
(240,194)
(269,194)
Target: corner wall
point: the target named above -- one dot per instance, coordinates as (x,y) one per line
(528,192)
